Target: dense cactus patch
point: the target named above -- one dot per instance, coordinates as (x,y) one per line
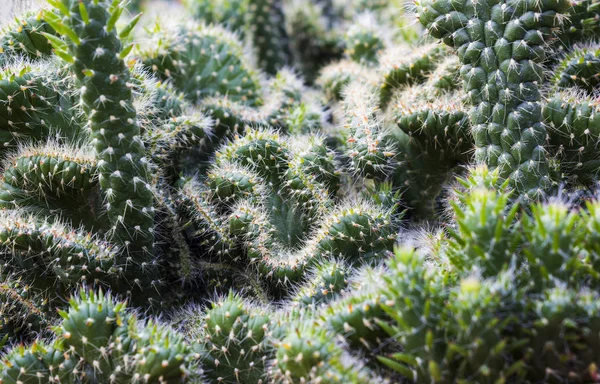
(300,191)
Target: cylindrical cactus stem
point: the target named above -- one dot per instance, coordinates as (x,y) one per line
(438,141)
(24,310)
(93,48)
(324,282)
(574,128)
(266,24)
(96,56)
(501,45)
(367,145)
(47,178)
(234,334)
(25,38)
(580,68)
(51,254)
(38,103)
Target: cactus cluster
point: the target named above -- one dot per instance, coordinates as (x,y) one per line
(290,191)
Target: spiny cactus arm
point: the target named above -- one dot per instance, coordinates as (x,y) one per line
(25,38)
(293,107)
(445,78)
(38,103)
(162,355)
(433,141)
(334,77)
(324,282)
(234,335)
(366,137)
(355,318)
(207,225)
(262,151)
(203,61)
(501,45)
(401,66)
(172,141)
(232,118)
(314,158)
(266,26)
(52,253)
(158,101)
(574,128)
(38,362)
(364,40)
(357,232)
(95,52)
(229,183)
(24,310)
(580,68)
(50,177)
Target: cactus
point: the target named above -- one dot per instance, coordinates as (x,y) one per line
(99,340)
(25,38)
(212,57)
(247,176)
(260,21)
(502,82)
(234,337)
(571,119)
(580,68)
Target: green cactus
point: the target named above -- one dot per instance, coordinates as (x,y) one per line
(326,281)
(98,340)
(571,120)
(363,42)
(580,68)
(211,57)
(25,38)
(23,309)
(502,80)
(334,77)
(234,335)
(261,21)
(39,104)
(582,23)
(312,40)
(401,65)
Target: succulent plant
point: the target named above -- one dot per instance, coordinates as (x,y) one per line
(300,192)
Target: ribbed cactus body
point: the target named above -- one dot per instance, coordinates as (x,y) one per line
(574,128)
(203,61)
(234,336)
(98,340)
(39,104)
(580,68)
(501,49)
(25,38)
